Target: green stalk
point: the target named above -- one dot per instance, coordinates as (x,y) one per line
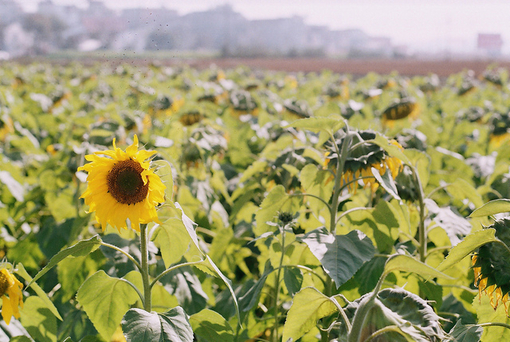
(277,288)
(422,232)
(145,268)
(333,209)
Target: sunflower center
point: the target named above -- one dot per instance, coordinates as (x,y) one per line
(4,284)
(125,182)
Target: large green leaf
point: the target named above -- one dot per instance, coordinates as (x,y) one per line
(190,227)
(467,246)
(210,326)
(38,290)
(308,305)
(492,208)
(463,333)
(409,264)
(142,326)
(316,182)
(269,209)
(39,320)
(486,314)
(460,189)
(340,255)
(106,300)
(82,248)
(173,240)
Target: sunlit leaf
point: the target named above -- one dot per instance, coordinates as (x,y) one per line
(106,300)
(308,306)
(492,208)
(211,326)
(82,248)
(39,320)
(467,246)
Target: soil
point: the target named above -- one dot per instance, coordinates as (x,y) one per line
(357,67)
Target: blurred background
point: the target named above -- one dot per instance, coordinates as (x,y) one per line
(341,29)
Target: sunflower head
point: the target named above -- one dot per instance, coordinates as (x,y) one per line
(362,158)
(400,109)
(122,186)
(491,268)
(10,292)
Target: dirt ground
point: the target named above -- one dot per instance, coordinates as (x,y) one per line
(355,67)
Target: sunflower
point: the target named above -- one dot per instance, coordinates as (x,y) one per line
(400,109)
(122,186)
(490,266)
(12,297)
(362,159)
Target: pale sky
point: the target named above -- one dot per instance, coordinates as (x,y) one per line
(420,24)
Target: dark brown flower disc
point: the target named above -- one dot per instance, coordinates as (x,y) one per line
(125,182)
(4,284)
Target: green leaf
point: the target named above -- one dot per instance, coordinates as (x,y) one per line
(185,285)
(72,272)
(330,124)
(408,264)
(460,189)
(308,306)
(227,282)
(190,227)
(486,314)
(293,278)
(249,298)
(386,182)
(20,338)
(463,333)
(106,300)
(172,239)
(20,270)
(492,208)
(142,326)
(340,255)
(392,149)
(269,208)
(210,326)
(82,248)
(316,182)
(39,321)
(467,246)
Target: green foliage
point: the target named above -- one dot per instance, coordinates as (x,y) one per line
(173,325)
(267,231)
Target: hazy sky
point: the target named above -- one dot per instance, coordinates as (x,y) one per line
(420,24)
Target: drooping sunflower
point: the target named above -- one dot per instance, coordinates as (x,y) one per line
(491,268)
(10,291)
(400,109)
(122,186)
(362,159)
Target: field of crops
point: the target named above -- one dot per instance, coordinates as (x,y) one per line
(157,203)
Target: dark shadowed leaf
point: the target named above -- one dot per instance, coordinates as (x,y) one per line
(141,326)
(340,255)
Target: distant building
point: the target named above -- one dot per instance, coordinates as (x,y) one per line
(10,12)
(490,44)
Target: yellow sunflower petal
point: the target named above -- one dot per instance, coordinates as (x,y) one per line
(122,186)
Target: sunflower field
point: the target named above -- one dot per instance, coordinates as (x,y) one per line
(166,203)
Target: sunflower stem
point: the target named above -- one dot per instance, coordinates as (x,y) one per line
(147,303)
